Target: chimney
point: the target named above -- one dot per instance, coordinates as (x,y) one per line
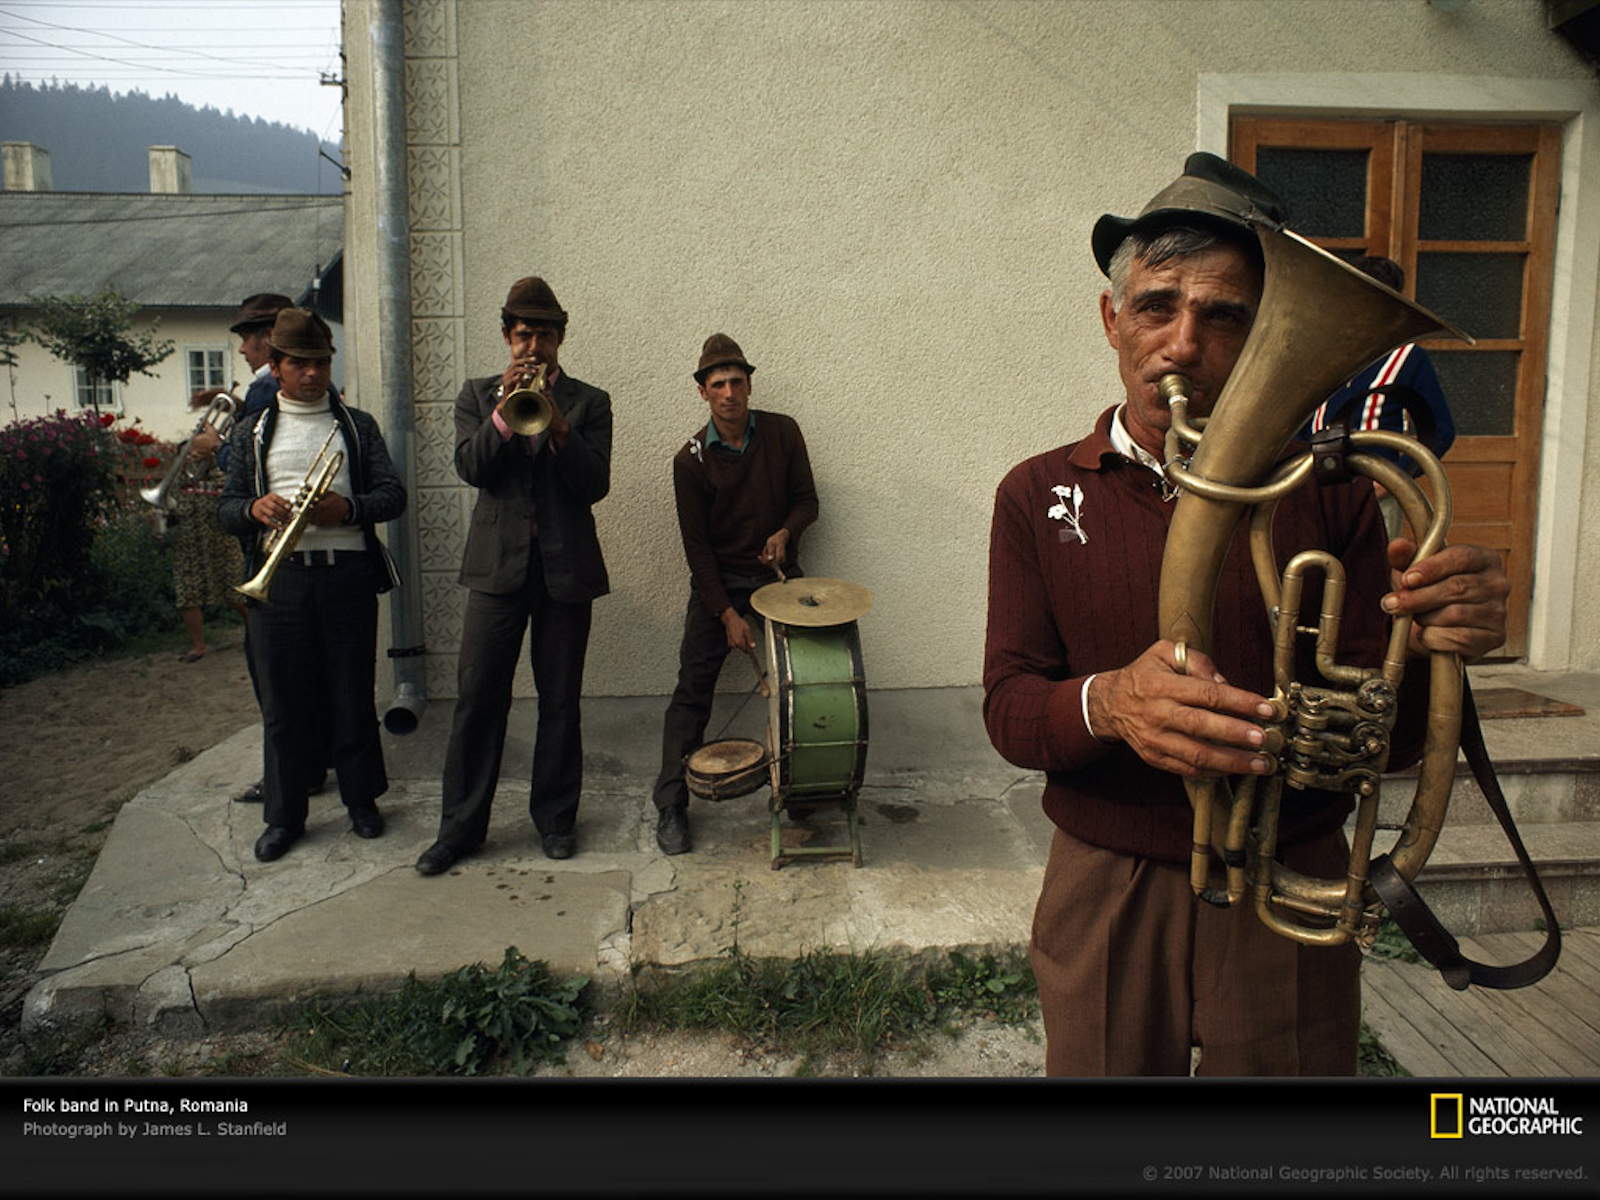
(169,170)
(27,167)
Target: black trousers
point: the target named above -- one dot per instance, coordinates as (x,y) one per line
(491,644)
(314,648)
(700,657)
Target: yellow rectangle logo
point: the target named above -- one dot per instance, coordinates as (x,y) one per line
(1445,1119)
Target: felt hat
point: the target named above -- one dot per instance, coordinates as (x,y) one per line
(300,333)
(260,309)
(720,350)
(531,299)
(1211,192)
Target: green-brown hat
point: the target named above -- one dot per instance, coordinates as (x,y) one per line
(300,333)
(1211,192)
(260,309)
(531,299)
(720,350)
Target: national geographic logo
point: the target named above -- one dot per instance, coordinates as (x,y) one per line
(1455,1115)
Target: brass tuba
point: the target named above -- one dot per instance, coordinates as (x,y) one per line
(1319,322)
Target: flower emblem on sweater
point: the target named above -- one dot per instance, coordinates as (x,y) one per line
(1069,508)
(694,449)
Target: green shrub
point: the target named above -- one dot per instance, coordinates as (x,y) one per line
(474,1021)
(57,482)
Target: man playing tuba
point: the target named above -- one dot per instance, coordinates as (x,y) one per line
(1133,973)
(314,639)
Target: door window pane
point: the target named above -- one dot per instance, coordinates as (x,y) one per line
(1482,293)
(1481,389)
(1474,197)
(1325,190)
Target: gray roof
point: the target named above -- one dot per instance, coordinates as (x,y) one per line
(164,251)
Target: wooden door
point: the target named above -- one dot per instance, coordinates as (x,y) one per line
(1468,211)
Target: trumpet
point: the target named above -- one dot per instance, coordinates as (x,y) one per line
(281,542)
(527,409)
(219,415)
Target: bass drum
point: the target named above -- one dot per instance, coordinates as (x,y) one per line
(817,723)
(725,769)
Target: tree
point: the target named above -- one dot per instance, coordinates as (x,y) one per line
(93,334)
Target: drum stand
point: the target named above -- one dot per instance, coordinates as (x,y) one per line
(845,803)
(782,799)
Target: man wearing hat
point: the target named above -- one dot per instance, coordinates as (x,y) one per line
(1133,972)
(532,556)
(315,639)
(745,493)
(253,325)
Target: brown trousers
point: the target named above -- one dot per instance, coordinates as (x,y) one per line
(1133,971)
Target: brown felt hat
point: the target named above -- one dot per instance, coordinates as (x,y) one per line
(720,350)
(260,309)
(300,333)
(531,299)
(1211,192)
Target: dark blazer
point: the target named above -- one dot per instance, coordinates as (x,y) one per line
(565,484)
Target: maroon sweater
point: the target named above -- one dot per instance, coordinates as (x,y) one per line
(730,503)
(1062,608)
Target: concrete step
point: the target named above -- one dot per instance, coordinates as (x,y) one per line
(1537,792)
(1474,883)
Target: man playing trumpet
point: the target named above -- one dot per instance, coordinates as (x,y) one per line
(314,639)
(532,556)
(1132,971)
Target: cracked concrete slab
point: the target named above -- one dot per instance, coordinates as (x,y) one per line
(181,928)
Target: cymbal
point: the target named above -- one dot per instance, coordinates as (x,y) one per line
(812,600)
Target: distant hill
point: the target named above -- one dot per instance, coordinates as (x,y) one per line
(99,142)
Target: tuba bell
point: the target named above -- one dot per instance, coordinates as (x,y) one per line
(1319,322)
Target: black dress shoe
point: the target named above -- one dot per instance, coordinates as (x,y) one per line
(275,842)
(672,830)
(251,795)
(439,858)
(367,822)
(560,845)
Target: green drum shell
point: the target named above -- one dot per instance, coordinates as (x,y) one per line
(818,717)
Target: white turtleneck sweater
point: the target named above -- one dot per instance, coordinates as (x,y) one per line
(301,430)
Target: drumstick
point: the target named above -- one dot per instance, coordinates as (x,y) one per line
(761,676)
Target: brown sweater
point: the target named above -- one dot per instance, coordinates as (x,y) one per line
(1062,608)
(729,503)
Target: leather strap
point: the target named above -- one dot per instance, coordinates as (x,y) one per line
(1416,919)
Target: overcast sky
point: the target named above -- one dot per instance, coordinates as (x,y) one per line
(262,59)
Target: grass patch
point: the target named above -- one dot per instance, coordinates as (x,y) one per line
(13,851)
(1373,1060)
(57,1049)
(475,1021)
(22,929)
(1391,943)
(825,1005)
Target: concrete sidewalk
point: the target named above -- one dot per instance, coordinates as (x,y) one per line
(180,928)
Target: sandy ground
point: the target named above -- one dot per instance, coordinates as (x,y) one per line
(75,745)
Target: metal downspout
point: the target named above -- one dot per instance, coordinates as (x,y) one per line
(393,312)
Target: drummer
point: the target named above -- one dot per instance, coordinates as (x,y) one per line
(745,494)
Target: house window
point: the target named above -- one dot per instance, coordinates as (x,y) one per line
(105,396)
(207,369)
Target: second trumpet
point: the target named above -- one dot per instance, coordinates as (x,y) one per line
(281,542)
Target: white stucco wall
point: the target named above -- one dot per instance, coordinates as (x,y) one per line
(887,204)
